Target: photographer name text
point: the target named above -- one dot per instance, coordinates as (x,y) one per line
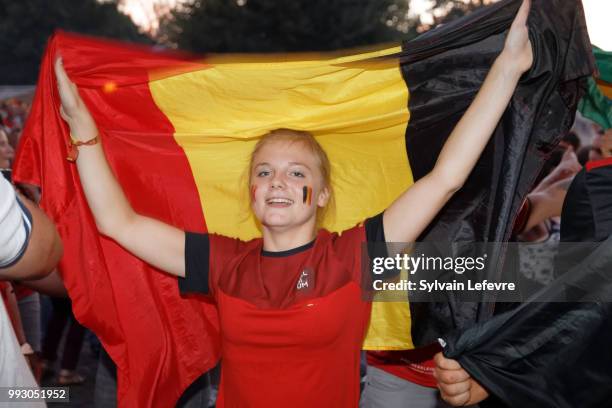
(437,286)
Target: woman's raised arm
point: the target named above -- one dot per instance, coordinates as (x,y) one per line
(159,244)
(410,214)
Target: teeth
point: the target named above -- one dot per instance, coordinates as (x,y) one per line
(279,201)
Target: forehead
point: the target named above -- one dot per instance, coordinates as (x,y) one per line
(278,152)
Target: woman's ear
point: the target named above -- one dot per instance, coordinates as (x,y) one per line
(323,197)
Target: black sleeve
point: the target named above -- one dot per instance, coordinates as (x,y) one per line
(197,266)
(375,230)
(377,244)
(375,237)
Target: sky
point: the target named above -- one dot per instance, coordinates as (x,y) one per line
(599,22)
(598,15)
(142,11)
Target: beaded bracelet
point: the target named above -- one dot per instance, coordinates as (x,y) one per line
(73,152)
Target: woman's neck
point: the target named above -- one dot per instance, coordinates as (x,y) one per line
(277,239)
(5,164)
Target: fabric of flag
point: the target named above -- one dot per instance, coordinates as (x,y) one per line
(178,130)
(554,350)
(548,353)
(597,103)
(444,69)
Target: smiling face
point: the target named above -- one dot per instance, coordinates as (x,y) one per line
(287,183)
(6,151)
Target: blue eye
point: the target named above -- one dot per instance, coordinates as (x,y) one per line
(263,173)
(296,173)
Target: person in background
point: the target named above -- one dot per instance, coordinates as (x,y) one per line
(587,215)
(594,152)
(30,248)
(571,139)
(602,143)
(7,154)
(28,300)
(10,302)
(62,316)
(540,239)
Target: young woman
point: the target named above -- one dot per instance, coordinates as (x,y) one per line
(291,313)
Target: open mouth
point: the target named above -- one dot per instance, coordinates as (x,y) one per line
(279,202)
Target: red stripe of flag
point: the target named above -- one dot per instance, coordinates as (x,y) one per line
(159,341)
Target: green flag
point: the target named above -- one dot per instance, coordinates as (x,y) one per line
(597,103)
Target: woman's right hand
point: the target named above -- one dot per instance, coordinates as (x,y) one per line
(73,110)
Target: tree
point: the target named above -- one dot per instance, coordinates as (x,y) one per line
(283,25)
(27,24)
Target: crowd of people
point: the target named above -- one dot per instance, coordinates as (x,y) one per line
(13,114)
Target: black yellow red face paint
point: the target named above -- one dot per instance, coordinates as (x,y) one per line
(307,192)
(253,191)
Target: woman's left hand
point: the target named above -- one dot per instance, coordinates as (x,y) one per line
(517,48)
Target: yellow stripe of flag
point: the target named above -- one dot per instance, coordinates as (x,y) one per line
(356,106)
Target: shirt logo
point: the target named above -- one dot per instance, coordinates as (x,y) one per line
(306,282)
(303,281)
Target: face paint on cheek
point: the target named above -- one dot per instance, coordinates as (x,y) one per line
(307,192)
(253,191)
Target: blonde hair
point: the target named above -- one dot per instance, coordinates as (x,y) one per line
(307,140)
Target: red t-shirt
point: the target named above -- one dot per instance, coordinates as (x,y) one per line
(292,322)
(415,365)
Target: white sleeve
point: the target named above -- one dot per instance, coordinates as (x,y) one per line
(14,371)
(15,225)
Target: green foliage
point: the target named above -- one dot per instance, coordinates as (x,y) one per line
(25,26)
(285,25)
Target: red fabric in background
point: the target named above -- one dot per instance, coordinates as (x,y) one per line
(22,291)
(598,163)
(159,341)
(415,365)
(3,286)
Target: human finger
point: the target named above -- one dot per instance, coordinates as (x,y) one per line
(446,363)
(67,90)
(452,376)
(457,400)
(456,388)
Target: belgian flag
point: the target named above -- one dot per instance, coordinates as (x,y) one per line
(178,130)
